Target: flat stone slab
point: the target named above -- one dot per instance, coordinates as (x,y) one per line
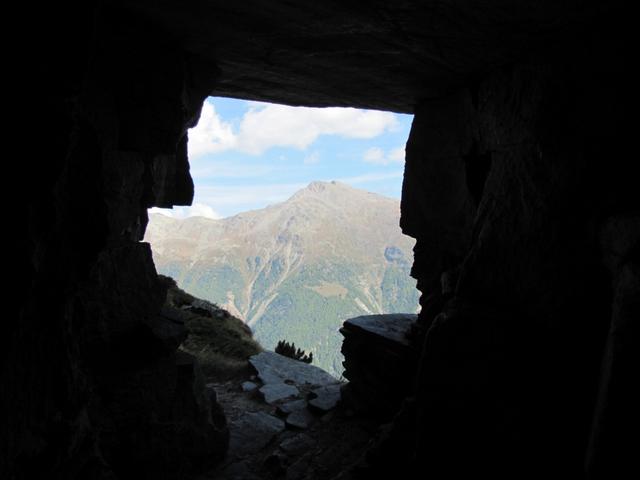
(392,327)
(290,407)
(300,419)
(273,392)
(276,368)
(326,398)
(252,432)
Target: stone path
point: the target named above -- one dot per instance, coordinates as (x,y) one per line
(285,422)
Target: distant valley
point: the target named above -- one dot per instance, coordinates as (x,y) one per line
(295,270)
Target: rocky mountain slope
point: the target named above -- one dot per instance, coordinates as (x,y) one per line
(298,269)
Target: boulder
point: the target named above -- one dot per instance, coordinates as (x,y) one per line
(248,386)
(275,368)
(300,419)
(273,392)
(325,398)
(379,364)
(391,328)
(253,431)
(169,328)
(285,409)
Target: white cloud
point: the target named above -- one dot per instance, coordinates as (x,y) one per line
(234,199)
(226,169)
(265,126)
(312,158)
(211,135)
(377,156)
(195,210)
(272,125)
(397,155)
(374,155)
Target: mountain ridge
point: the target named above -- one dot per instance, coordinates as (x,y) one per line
(295,270)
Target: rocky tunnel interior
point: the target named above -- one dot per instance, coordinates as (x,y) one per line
(518,188)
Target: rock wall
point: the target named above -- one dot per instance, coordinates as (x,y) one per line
(518,189)
(513,189)
(92,384)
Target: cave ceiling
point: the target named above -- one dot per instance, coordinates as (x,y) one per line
(369,54)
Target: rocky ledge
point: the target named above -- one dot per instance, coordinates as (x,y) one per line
(379,362)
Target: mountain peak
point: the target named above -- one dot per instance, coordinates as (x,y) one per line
(318,186)
(337,194)
(296,269)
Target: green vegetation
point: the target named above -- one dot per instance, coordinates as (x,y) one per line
(311,320)
(209,282)
(296,270)
(289,350)
(399,292)
(308,309)
(221,342)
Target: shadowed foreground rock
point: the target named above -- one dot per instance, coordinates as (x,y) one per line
(273,368)
(307,435)
(379,362)
(519,189)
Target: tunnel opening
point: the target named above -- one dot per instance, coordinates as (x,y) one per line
(293,230)
(294,226)
(510,375)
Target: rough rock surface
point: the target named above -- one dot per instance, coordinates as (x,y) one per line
(378,55)
(286,408)
(324,399)
(98,390)
(517,167)
(303,418)
(298,444)
(289,438)
(392,328)
(273,368)
(272,392)
(249,386)
(251,432)
(379,362)
(295,388)
(513,353)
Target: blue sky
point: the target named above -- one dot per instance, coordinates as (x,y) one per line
(246,155)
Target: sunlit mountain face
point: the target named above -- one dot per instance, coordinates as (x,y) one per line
(295,270)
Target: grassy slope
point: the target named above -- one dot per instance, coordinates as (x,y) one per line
(300,313)
(221,342)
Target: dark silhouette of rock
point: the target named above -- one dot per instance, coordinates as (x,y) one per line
(169,328)
(324,399)
(620,241)
(379,362)
(518,176)
(391,328)
(301,443)
(252,432)
(291,406)
(300,419)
